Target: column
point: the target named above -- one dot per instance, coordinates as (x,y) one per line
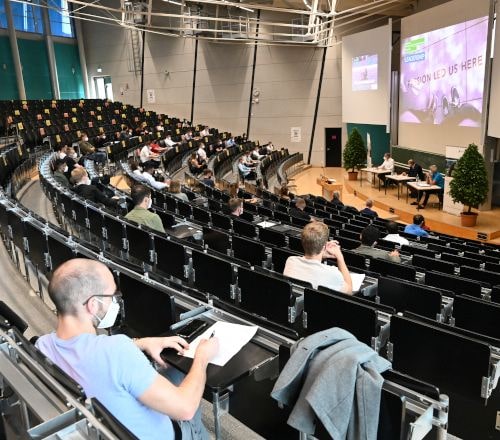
(15,51)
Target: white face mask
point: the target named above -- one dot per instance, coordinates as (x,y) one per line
(86,139)
(104,136)
(110,317)
(65,169)
(62,155)
(150,202)
(74,155)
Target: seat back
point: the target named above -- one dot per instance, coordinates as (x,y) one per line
(170,257)
(205,266)
(249,250)
(397,270)
(279,257)
(433,264)
(485,276)
(457,285)
(477,315)
(272,237)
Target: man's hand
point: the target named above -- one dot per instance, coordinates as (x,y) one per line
(154,346)
(207,349)
(332,250)
(394,253)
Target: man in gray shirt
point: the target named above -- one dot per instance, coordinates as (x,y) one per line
(369,237)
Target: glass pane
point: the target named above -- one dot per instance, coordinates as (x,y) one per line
(60,21)
(27,17)
(3,17)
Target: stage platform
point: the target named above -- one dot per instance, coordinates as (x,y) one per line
(388,206)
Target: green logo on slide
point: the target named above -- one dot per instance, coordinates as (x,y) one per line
(415,44)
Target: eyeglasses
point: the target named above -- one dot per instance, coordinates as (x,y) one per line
(115,297)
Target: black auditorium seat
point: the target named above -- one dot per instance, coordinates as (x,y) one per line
(170,257)
(205,266)
(397,270)
(271,237)
(249,250)
(457,285)
(433,264)
(486,276)
(244,228)
(477,315)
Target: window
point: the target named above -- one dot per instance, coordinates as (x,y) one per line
(3,15)
(27,17)
(60,21)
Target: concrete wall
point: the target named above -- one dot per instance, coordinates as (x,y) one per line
(287,78)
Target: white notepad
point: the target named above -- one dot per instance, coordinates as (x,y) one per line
(232,338)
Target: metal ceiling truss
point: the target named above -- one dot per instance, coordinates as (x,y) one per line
(320,23)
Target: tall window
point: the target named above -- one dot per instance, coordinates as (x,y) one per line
(3,15)
(60,21)
(27,17)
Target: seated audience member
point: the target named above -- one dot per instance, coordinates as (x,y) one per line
(89,151)
(61,151)
(246,171)
(175,190)
(284,193)
(336,200)
(201,154)
(169,142)
(218,146)
(71,159)
(387,165)
(156,148)
(310,268)
(230,142)
(255,154)
(205,132)
(60,168)
(114,368)
(148,177)
(247,159)
(85,189)
(298,209)
(100,140)
(186,137)
(141,198)
(126,133)
(195,167)
(147,156)
(367,210)
(433,178)
(235,206)
(417,227)
(369,237)
(393,234)
(207,178)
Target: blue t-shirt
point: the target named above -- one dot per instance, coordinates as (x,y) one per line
(113,369)
(416,230)
(438,178)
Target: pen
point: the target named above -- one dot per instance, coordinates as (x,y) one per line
(212,335)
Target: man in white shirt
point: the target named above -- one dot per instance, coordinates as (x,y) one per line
(169,142)
(310,267)
(147,156)
(393,234)
(201,153)
(147,175)
(387,165)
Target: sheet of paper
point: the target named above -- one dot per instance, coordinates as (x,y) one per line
(357,280)
(265,224)
(232,338)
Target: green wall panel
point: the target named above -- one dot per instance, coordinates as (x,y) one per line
(69,72)
(35,64)
(8,83)
(379,138)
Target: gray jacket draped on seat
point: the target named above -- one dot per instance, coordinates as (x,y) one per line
(335,378)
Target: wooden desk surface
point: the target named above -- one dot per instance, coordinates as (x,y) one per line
(419,187)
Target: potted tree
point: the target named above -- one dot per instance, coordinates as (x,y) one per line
(470,183)
(354,154)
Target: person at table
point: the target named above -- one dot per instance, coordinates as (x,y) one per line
(387,165)
(434,177)
(246,171)
(114,369)
(369,237)
(141,197)
(336,202)
(417,227)
(310,268)
(368,211)
(414,170)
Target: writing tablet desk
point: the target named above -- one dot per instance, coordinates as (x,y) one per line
(220,380)
(399,179)
(375,172)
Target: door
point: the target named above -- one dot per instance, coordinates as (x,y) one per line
(333,147)
(103,87)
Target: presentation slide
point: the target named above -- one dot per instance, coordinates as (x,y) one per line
(494,112)
(365,72)
(366,76)
(442,75)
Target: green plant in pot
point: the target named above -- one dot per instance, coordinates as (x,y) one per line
(470,183)
(354,154)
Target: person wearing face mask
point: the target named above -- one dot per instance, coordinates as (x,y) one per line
(89,151)
(60,168)
(141,197)
(71,159)
(113,368)
(85,189)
